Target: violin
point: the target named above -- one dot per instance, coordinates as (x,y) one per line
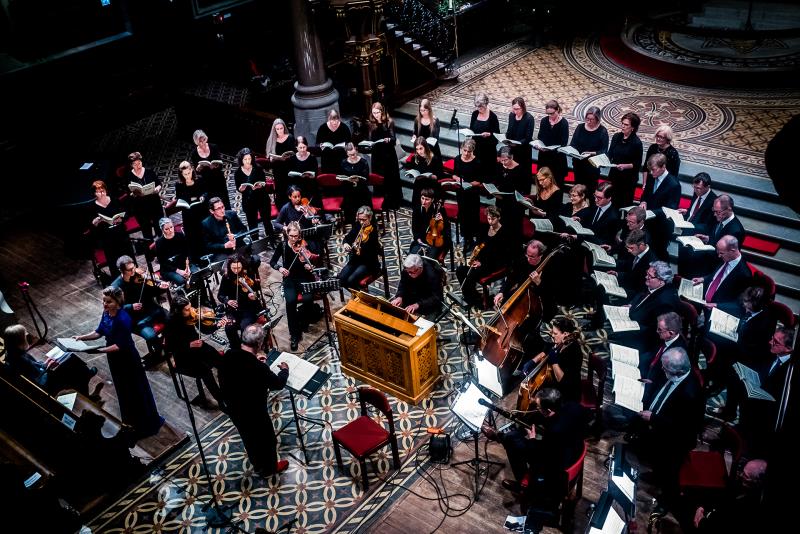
(205,318)
(363,237)
(435,235)
(246,283)
(307,209)
(477,250)
(301,251)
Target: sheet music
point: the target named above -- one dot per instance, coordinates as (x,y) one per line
(691,291)
(488,376)
(649,214)
(624,369)
(628,393)
(575,225)
(542,225)
(467,408)
(609,283)
(56,354)
(619,317)
(68,400)
(74,345)
(625,484)
(623,354)
(613,524)
(599,255)
(724,324)
(677,219)
(423,325)
(300,371)
(693,242)
(752,382)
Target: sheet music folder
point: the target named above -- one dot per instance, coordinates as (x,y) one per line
(314,384)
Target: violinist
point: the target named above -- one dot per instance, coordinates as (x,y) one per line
(430,227)
(421,286)
(490,255)
(191,353)
(220,229)
(238,290)
(362,244)
(172,251)
(141,294)
(295,263)
(299,209)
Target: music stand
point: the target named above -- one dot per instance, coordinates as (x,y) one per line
(467,408)
(200,279)
(325,286)
(321,233)
(307,389)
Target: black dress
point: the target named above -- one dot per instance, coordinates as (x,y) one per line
(214,177)
(172,255)
(331,157)
(673,160)
(522,130)
(427,131)
(196,196)
(469,200)
(308,186)
(281,167)
(255,202)
(147,209)
(384,162)
(485,147)
(362,264)
(423,166)
(624,150)
(112,239)
(557,134)
(493,256)
(355,195)
(511,211)
(586,141)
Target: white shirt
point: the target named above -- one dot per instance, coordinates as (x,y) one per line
(672,384)
(698,201)
(728,267)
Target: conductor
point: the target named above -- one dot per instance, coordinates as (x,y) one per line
(245,380)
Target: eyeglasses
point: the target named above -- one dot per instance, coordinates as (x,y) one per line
(129,268)
(660,137)
(650,276)
(294,236)
(218,208)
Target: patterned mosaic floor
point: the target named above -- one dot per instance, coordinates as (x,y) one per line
(721,128)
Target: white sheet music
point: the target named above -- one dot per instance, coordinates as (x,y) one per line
(542,225)
(623,369)
(76,346)
(488,376)
(694,242)
(423,325)
(620,319)
(609,283)
(691,291)
(575,225)
(300,371)
(677,219)
(467,408)
(68,400)
(623,354)
(599,255)
(724,324)
(628,393)
(614,524)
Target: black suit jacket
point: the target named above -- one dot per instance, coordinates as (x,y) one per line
(681,416)
(631,277)
(703,220)
(605,228)
(668,193)
(734,228)
(732,286)
(646,309)
(653,370)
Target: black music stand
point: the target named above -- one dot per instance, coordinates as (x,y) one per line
(200,281)
(308,390)
(325,286)
(467,408)
(321,233)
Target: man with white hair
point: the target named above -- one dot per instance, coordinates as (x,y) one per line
(420,289)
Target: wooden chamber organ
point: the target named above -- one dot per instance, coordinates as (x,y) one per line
(381,345)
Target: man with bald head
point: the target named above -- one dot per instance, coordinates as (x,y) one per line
(694,262)
(723,286)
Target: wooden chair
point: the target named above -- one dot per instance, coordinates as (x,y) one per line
(560,511)
(363,435)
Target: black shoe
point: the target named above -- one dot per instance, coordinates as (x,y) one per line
(92,371)
(293,343)
(511,485)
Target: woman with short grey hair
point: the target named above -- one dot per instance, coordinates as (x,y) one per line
(484,125)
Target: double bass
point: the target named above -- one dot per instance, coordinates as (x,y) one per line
(502,340)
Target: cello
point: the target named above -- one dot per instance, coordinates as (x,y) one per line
(501,335)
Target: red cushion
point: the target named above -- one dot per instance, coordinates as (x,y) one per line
(574,470)
(637,194)
(483,215)
(703,469)
(332,203)
(570,177)
(588,394)
(100,257)
(760,245)
(534,168)
(492,277)
(528,230)
(377,203)
(273,212)
(451,209)
(410,158)
(131,225)
(685,203)
(449,165)
(361,435)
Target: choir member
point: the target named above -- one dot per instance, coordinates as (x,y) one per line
(590,139)
(625,153)
(553,130)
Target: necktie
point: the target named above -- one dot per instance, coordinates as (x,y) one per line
(658,355)
(717,233)
(635,261)
(775,365)
(658,403)
(596,216)
(715,283)
(695,208)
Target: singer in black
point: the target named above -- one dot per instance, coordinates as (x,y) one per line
(295,264)
(362,244)
(520,129)
(207,158)
(146,208)
(425,222)
(246,379)
(192,196)
(553,130)
(219,230)
(355,192)
(384,157)
(251,183)
(425,163)
(542,455)
(238,291)
(625,153)
(467,170)
(172,251)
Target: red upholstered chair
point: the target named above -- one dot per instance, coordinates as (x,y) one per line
(367,280)
(709,350)
(763,280)
(449,166)
(450,190)
(591,394)
(782,312)
(704,474)
(376,181)
(487,281)
(332,199)
(98,264)
(571,491)
(363,435)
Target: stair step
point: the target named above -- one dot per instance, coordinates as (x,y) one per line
(416,46)
(424,53)
(399,33)
(408,40)
(433,59)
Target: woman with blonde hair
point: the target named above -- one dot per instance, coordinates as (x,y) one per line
(553,130)
(203,157)
(549,196)
(279,142)
(662,145)
(484,125)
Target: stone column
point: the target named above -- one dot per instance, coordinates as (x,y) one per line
(313,94)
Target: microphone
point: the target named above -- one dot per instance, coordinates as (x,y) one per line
(485,402)
(453,119)
(455,298)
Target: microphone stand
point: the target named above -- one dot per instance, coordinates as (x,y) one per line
(34,312)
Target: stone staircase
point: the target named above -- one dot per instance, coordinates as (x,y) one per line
(758,205)
(403,41)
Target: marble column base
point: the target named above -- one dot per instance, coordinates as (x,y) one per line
(311,106)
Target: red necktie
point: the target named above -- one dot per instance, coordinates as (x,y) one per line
(715,283)
(657,357)
(694,210)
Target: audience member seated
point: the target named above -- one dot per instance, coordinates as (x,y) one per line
(742,509)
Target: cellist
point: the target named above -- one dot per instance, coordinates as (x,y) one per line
(489,256)
(428,222)
(361,243)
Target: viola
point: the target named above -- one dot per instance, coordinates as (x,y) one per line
(300,249)
(435,235)
(306,208)
(363,237)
